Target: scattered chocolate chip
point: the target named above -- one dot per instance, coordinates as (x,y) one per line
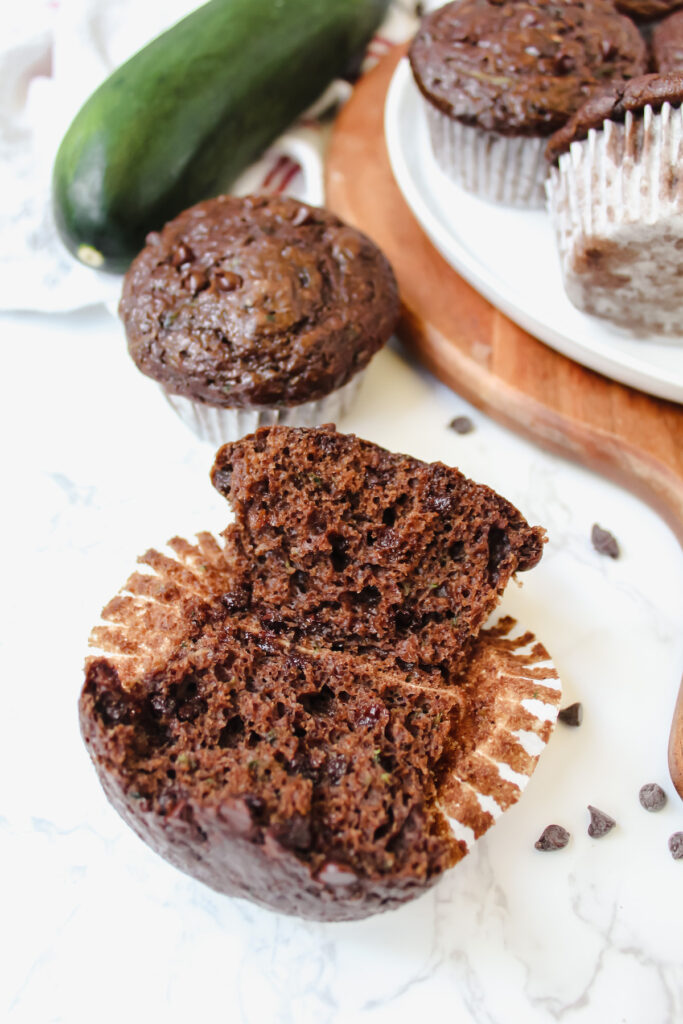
(571,715)
(604,542)
(462,425)
(554,837)
(676,845)
(652,797)
(601,823)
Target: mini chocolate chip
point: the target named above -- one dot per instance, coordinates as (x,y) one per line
(564,63)
(676,845)
(554,837)
(600,823)
(181,254)
(652,797)
(604,542)
(226,281)
(302,216)
(337,875)
(571,715)
(196,281)
(461,425)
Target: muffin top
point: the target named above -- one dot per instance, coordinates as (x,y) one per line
(646,10)
(667,43)
(522,68)
(257,301)
(613,103)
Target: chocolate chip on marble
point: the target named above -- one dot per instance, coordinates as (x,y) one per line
(600,823)
(554,837)
(571,715)
(652,797)
(676,845)
(604,542)
(461,425)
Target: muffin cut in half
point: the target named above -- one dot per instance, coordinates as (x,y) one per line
(342,539)
(616,199)
(289,764)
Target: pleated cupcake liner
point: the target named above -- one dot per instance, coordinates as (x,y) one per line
(616,201)
(501,169)
(509,695)
(219,425)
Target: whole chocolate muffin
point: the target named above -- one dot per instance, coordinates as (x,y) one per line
(261,304)
(647,10)
(667,44)
(513,73)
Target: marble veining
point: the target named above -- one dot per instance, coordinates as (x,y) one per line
(97,928)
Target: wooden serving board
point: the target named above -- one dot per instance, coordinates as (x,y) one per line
(471,346)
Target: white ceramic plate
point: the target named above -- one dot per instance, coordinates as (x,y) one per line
(510,257)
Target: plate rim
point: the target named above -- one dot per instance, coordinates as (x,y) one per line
(625,369)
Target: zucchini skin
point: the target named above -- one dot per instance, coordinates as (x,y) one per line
(181,119)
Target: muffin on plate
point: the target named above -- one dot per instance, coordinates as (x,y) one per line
(498,78)
(276,759)
(616,198)
(667,43)
(257,310)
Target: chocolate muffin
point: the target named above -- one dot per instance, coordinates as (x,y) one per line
(257,310)
(498,78)
(310,780)
(667,44)
(305,780)
(341,539)
(617,202)
(647,10)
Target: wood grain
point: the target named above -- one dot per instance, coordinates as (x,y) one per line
(622,433)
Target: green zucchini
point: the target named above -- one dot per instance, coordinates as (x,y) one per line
(185,115)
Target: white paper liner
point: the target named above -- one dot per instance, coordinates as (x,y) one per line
(219,425)
(499,168)
(510,697)
(616,201)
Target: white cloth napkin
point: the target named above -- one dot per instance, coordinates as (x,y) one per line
(53,53)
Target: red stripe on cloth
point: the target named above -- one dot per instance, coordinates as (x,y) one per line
(279,165)
(291,173)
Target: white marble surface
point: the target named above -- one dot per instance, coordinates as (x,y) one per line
(96,928)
